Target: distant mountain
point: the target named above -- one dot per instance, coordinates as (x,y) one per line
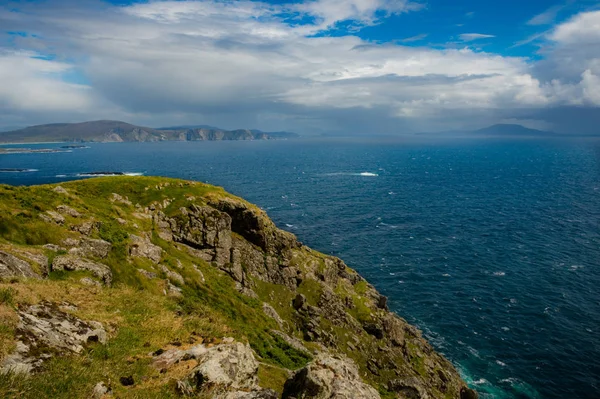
(116,131)
(498,130)
(511,130)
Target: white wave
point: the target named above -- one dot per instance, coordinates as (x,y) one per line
(499,273)
(367,174)
(498,362)
(480,381)
(18,170)
(133,174)
(61,175)
(446,275)
(289,225)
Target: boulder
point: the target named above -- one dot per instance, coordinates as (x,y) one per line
(11,266)
(409,388)
(91,247)
(172,275)
(259,394)
(86,228)
(53,217)
(272,313)
(44,330)
(225,368)
(114,197)
(67,210)
(100,390)
(328,377)
(468,393)
(71,263)
(60,190)
(147,274)
(143,247)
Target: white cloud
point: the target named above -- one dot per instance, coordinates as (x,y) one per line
(36,84)
(546,17)
(468,37)
(415,38)
(583,28)
(244,62)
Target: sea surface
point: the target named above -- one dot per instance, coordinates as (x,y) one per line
(491,247)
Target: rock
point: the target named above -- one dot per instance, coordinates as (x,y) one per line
(100,390)
(172,275)
(70,263)
(409,388)
(328,377)
(60,190)
(86,228)
(393,327)
(121,221)
(53,247)
(374,329)
(91,247)
(67,210)
(70,242)
(184,388)
(260,394)
(200,275)
(90,282)
(272,313)
(127,381)
(245,290)
(44,330)
(53,217)
(468,393)
(200,227)
(146,273)
(299,302)
(143,247)
(38,258)
(226,367)
(119,199)
(11,266)
(173,290)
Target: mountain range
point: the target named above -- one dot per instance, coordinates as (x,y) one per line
(116,131)
(498,130)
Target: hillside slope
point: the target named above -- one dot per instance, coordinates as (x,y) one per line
(143,287)
(115,131)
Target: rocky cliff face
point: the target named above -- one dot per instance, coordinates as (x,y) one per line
(297,323)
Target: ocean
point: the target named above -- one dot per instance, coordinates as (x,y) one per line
(491,247)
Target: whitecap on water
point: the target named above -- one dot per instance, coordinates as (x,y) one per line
(499,273)
(368,174)
(498,362)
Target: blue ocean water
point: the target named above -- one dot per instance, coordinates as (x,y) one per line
(491,247)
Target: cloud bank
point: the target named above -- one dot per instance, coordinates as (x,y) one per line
(254,64)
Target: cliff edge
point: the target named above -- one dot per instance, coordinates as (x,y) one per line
(154,288)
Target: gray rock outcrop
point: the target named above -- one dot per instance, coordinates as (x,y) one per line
(71,263)
(11,266)
(44,330)
(91,247)
(143,247)
(328,377)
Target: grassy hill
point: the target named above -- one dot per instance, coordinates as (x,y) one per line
(170,283)
(115,131)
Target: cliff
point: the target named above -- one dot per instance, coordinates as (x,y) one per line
(116,131)
(156,288)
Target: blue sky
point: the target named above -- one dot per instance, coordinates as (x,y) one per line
(355,66)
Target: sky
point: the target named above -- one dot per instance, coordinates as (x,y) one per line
(313,66)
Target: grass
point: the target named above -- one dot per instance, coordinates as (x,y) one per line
(138,316)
